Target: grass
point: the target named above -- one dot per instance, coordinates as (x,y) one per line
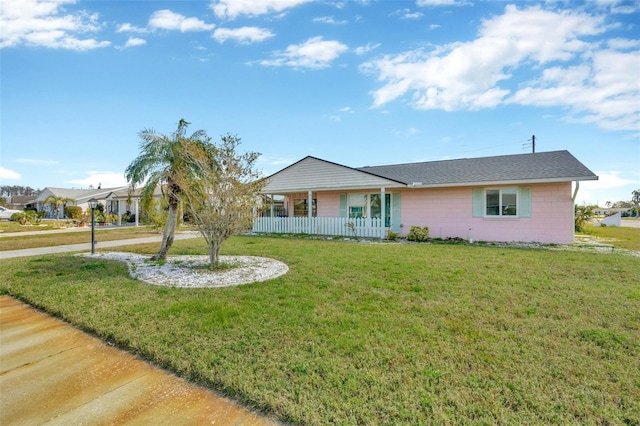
(8,226)
(72,237)
(377,333)
(620,236)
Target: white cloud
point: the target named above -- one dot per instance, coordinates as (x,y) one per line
(610,186)
(231,9)
(407,14)
(46,24)
(366,49)
(596,85)
(134,41)
(35,161)
(612,179)
(441,3)
(168,20)
(406,132)
(623,43)
(314,53)
(413,15)
(329,20)
(9,174)
(128,28)
(245,35)
(104,179)
(606,91)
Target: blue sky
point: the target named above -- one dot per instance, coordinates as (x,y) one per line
(355,82)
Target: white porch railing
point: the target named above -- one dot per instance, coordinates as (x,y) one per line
(342,226)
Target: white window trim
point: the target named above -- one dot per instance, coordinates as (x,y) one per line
(501,216)
(368,203)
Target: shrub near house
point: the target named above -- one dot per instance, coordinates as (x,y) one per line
(73,212)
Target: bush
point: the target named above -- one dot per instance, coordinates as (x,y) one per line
(392,236)
(418,234)
(583,215)
(73,212)
(26,217)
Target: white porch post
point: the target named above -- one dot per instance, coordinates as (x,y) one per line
(272,207)
(119,215)
(310,209)
(383,211)
(137,215)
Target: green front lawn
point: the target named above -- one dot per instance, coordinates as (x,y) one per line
(619,236)
(378,333)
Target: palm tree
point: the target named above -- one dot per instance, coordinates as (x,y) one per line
(164,162)
(58,201)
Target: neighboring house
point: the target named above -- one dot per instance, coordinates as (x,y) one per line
(80,198)
(120,202)
(21,202)
(525,197)
(609,211)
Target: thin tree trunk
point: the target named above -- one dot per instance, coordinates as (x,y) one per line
(214,252)
(168,234)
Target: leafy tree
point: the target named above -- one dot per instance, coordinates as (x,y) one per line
(59,201)
(583,214)
(621,205)
(11,190)
(164,162)
(221,202)
(635,200)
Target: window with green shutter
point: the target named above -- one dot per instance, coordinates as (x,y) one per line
(501,202)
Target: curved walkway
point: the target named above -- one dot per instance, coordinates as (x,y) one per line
(54,374)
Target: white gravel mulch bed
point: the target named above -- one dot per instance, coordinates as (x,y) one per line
(191,271)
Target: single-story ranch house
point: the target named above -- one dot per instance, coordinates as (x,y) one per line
(79,197)
(525,197)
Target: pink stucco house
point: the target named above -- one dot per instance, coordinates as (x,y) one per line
(526,197)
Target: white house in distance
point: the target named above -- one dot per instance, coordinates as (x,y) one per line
(80,198)
(524,197)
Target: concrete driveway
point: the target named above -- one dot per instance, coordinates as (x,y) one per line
(54,374)
(631,223)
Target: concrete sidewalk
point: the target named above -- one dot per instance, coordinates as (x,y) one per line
(87,246)
(52,373)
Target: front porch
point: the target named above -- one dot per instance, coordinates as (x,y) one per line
(335,226)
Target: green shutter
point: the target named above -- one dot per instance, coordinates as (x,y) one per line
(525,202)
(395,212)
(478,203)
(343,205)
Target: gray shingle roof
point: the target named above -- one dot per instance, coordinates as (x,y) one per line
(555,166)
(80,195)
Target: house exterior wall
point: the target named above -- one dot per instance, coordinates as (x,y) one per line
(448,213)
